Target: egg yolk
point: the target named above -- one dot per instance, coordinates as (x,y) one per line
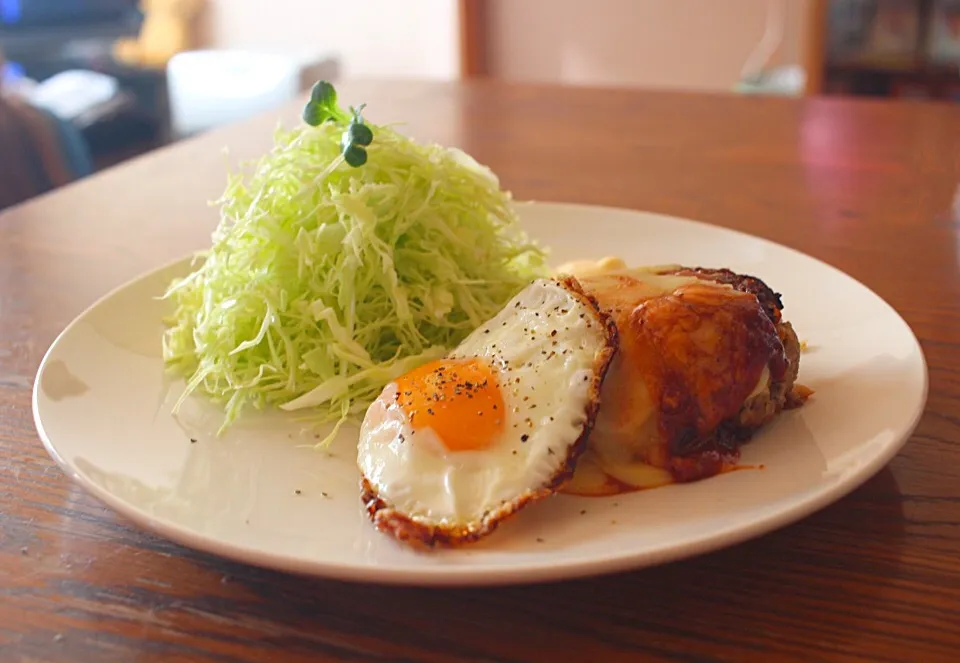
(459,399)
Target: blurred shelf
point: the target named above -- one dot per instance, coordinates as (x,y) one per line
(916,66)
(888,48)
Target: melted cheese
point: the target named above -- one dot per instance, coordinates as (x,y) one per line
(593,478)
(762,384)
(584,268)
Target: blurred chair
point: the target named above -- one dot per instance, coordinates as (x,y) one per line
(38,151)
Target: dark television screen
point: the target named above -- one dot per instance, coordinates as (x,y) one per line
(40,13)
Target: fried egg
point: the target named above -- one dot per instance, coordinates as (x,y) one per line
(452,448)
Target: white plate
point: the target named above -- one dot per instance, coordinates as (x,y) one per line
(102,408)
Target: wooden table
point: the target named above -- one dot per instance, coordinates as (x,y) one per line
(871,187)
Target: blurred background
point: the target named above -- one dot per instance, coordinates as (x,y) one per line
(87,84)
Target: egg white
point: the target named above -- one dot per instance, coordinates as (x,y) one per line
(549,348)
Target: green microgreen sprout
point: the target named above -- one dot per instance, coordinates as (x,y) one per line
(323,107)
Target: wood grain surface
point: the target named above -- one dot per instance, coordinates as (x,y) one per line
(869,186)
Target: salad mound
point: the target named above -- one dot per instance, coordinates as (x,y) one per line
(349,255)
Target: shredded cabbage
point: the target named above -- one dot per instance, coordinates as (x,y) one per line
(325,282)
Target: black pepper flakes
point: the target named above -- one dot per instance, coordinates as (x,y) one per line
(298,491)
(193,440)
(524,437)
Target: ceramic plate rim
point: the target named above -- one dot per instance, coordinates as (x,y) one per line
(492,575)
